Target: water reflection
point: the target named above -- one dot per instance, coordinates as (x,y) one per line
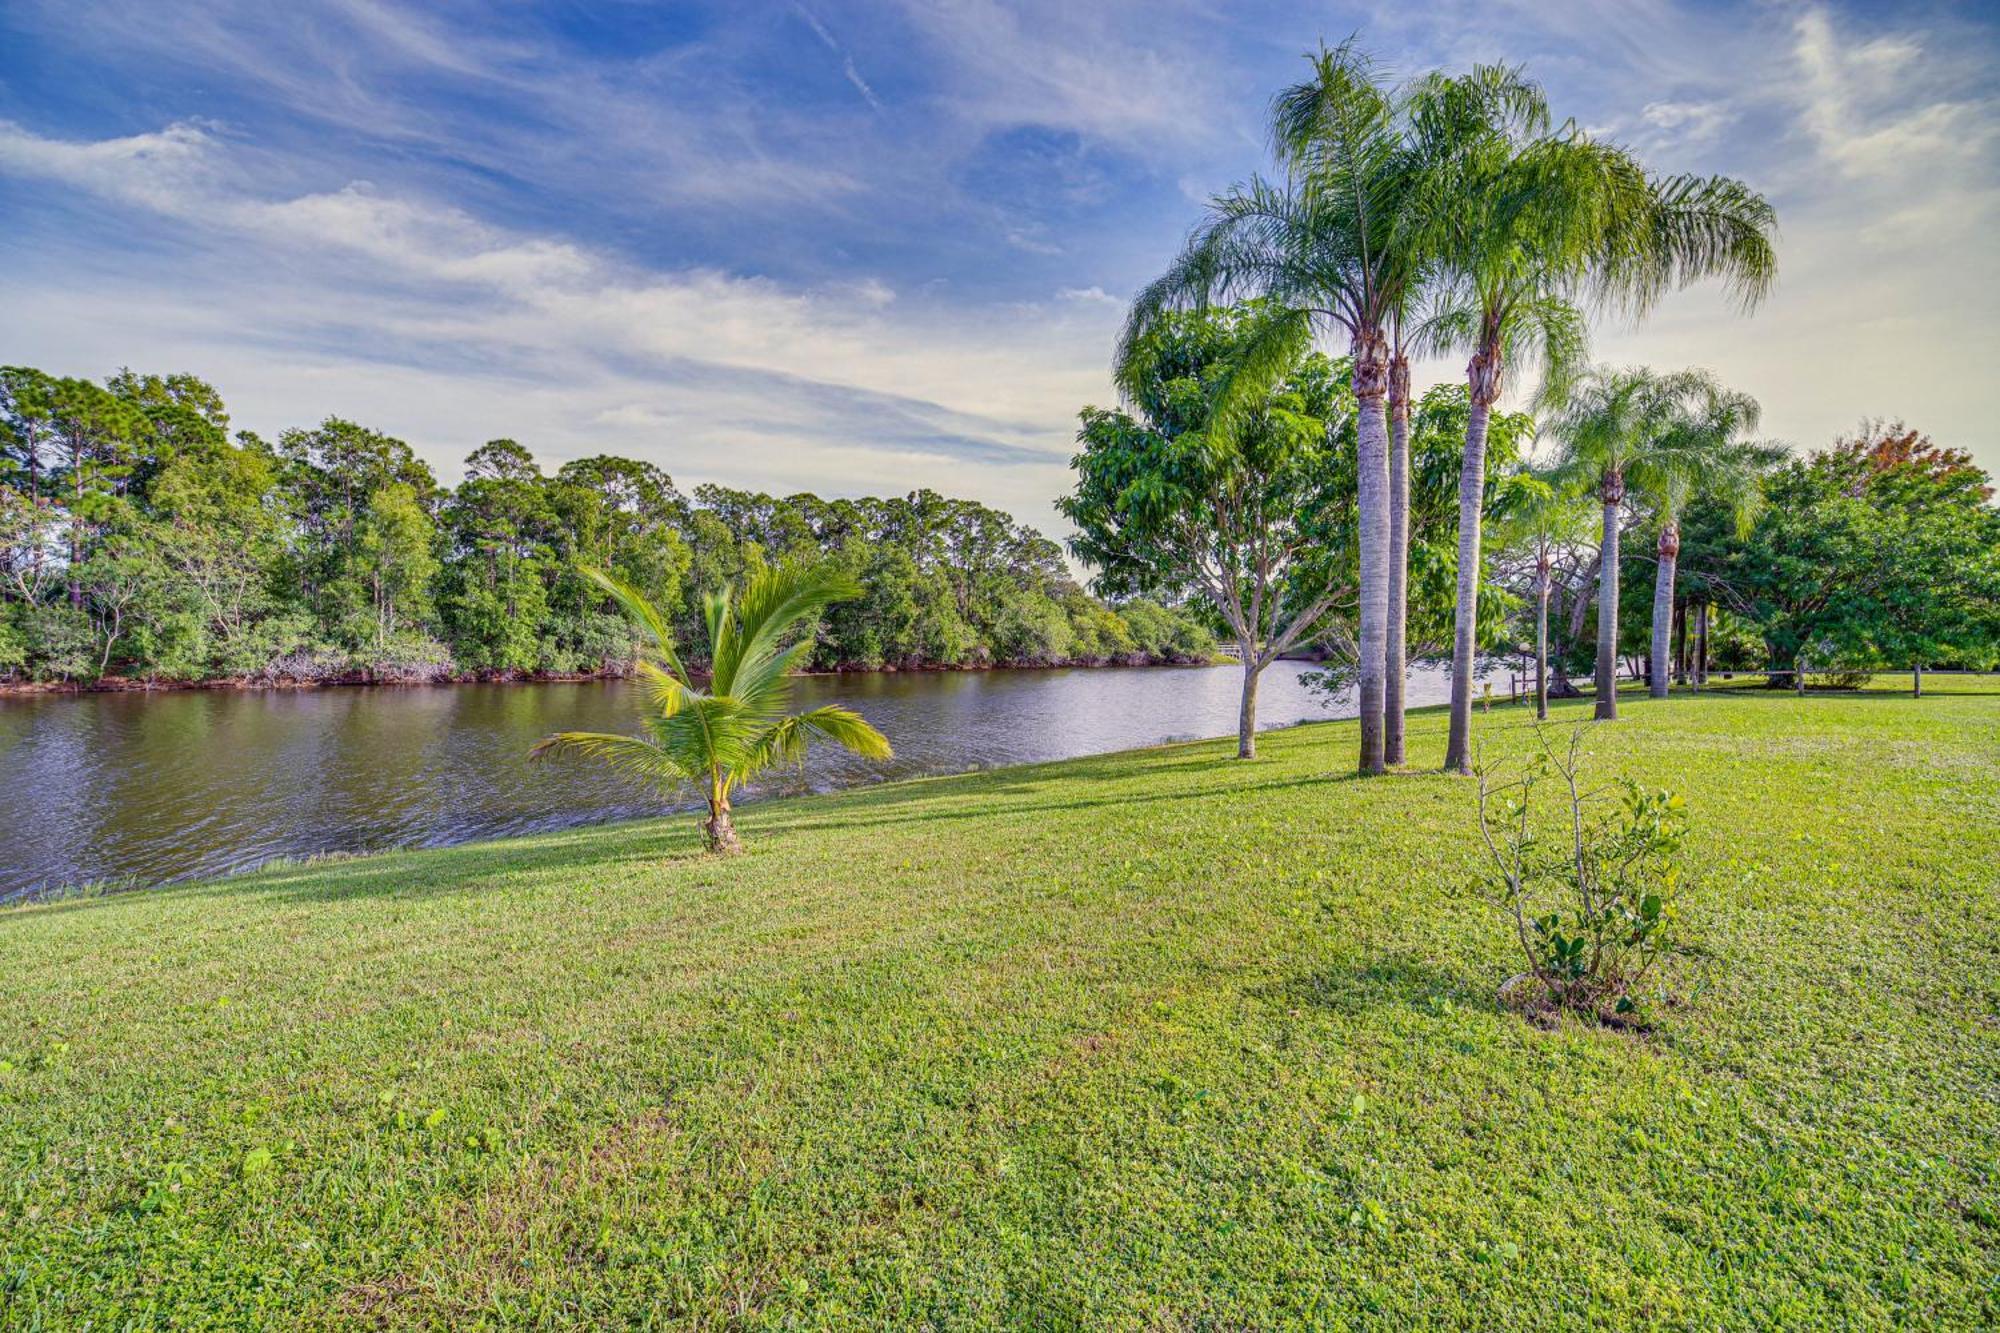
(190,783)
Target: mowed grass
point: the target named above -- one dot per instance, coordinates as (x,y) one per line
(1154,1041)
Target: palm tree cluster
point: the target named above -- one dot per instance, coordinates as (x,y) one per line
(1454,215)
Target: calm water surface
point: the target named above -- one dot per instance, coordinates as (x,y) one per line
(151,788)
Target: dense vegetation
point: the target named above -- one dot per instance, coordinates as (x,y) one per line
(1151,1040)
(137,537)
(1881,551)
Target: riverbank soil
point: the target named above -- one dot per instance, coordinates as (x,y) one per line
(1151,1040)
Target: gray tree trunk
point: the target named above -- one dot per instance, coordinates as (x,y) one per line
(1465,626)
(719,830)
(1246,716)
(1396,649)
(1663,610)
(1542,639)
(1372,458)
(1613,494)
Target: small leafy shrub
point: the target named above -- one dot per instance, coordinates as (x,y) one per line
(1594,901)
(1840,679)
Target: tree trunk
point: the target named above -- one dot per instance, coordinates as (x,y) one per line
(1917,681)
(1612,493)
(1483,378)
(1372,457)
(719,830)
(1396,649)
(1542,638)
(1663,607)
(1681,639)
(1246,716)
(1701,647)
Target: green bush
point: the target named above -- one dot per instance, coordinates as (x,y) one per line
(1593,902)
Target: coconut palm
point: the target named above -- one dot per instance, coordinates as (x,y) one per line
(716,739)
(1326,248)
(1526,225)
(1634,430)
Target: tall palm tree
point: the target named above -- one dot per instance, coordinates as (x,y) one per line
(1632,429)
(716,739)
(1396,633)
(1526,224)
(1543,512)
(1328,249)
(1697,454)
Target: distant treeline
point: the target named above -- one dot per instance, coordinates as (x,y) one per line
(140,539)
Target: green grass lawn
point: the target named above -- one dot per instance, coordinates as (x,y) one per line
(1155,1041)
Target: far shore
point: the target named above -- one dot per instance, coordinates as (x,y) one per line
(132,685)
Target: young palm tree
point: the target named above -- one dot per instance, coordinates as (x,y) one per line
(1327,249)
(717,739)
(1630,429)
(1526,224)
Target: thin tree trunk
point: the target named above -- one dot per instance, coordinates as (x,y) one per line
(1917,681)
(1542,638)
(1681,618)
(1663,607)
(1701,647)
(1612,493)
(1246,716)
(1483,376)
(1396,650)
(1370,362)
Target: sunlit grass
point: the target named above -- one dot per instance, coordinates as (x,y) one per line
(1150,1040)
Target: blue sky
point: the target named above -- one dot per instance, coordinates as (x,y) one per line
(858,248)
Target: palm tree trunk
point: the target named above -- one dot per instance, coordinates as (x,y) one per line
(1483,376)
(1612,493)
(1246,716)
(1372,457)
(719,830)
(1663,607)
(1396,648)
(1542,638)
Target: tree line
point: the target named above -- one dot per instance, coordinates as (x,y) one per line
(140,538)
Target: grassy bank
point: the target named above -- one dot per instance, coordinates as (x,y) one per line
(1156,1040)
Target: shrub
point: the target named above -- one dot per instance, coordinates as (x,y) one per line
(1594,903)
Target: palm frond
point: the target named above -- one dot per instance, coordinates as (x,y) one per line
(633,755)
(786,742)
(659,636)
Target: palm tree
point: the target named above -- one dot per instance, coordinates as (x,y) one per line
(1633,429)
(1697,454)
(717,739)
(1327,248)
(1541,511)
(1526,224)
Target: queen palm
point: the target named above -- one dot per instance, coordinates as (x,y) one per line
(1525,225)
(1697,455)
(1326,249)
(1542,512)
(716,739)
(1634,430)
